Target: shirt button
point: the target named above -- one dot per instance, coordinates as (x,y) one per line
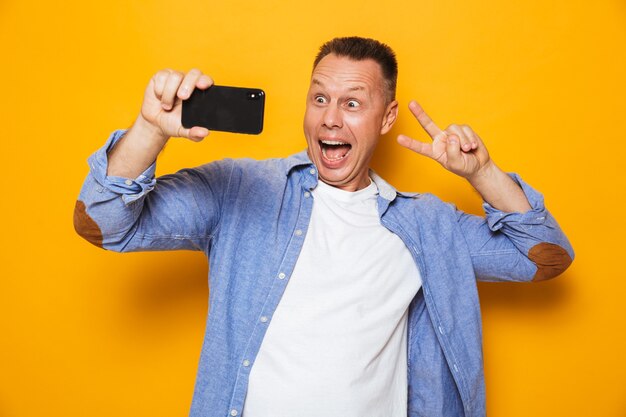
(312,171)
(128,182)
(440,329)
(307,194)
(281,275)
(246,363)
(233,412)
(298,232)
(264,319)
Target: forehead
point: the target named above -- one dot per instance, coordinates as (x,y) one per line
(343,73)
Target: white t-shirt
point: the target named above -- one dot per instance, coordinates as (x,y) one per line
(336,345)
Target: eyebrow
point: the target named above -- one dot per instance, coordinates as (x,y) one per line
(321,84)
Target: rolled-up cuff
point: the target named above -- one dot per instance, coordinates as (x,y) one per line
(536,215)
(130,189)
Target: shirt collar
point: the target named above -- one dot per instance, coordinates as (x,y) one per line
(385,190)
(296,160)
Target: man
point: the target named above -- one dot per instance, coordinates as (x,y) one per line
(330,293)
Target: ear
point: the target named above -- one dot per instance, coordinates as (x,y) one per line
(391,114)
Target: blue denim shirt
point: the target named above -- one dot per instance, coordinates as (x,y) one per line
(244,214)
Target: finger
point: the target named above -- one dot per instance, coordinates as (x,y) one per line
(473,137)
(204,82)
(425,121)
(464,141)
(159,79)
(171,87)
(188,84)
(421,148)
(453,153)
(196,133)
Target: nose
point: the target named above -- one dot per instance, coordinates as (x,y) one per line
(332,117)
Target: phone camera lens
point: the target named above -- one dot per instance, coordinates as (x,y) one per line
(253,95)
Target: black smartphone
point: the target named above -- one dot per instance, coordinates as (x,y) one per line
(227,109)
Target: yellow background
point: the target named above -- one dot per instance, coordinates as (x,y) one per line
(84,332)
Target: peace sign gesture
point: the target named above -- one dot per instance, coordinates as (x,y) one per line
(458,148)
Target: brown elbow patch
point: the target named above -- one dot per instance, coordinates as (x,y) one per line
(86,226)
(551,260)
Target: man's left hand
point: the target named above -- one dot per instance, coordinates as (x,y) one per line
(457,148)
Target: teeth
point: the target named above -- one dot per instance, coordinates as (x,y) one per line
(333,142)
(333,159)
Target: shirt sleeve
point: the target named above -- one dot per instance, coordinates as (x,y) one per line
(177,211)
(517,246)
(129,189)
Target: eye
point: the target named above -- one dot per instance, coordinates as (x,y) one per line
(353,103)
(320,99)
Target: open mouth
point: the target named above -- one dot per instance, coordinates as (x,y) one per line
(334,150)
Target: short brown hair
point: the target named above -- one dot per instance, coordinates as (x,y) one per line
(360,49)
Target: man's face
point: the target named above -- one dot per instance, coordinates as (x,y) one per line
(346,112)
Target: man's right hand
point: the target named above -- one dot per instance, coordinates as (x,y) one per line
(159,119)
(163,99)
